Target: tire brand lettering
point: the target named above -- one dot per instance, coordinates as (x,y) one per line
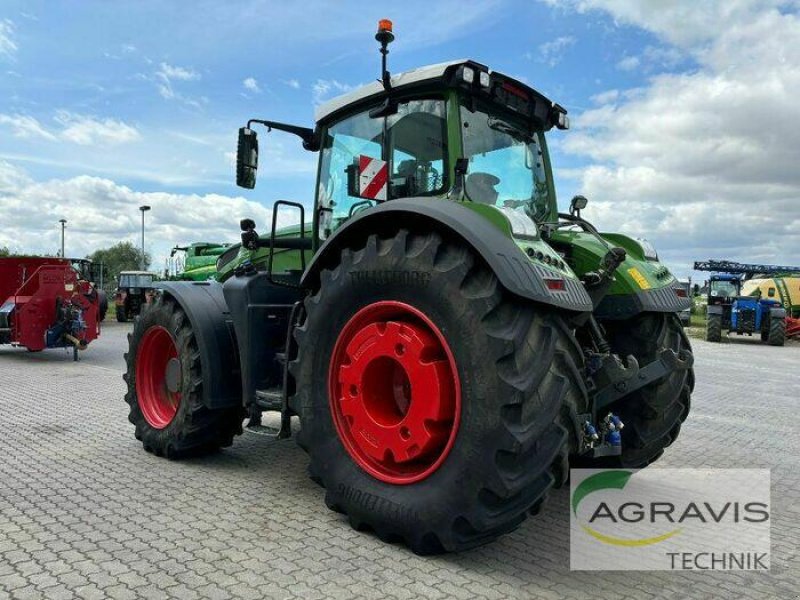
(411,278)
(373,503)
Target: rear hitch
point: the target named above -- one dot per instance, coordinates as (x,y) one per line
(668,361)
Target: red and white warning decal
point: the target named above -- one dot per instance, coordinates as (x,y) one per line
(373,177)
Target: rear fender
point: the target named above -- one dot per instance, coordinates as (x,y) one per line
(205,307)
(513,269)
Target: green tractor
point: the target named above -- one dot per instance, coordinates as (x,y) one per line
(197,261)
(450,342)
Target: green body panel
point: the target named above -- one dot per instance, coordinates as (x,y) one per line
(536,249)
(203,273)
(284,261)
(634,275)
(200,261)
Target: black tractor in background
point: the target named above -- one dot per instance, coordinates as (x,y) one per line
(135,289)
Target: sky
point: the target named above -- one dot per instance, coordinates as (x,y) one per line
(684,114)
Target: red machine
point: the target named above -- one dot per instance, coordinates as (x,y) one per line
(46,304)
(792,327)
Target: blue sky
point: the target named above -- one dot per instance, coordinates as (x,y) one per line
(107,105)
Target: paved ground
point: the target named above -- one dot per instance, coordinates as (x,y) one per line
(85,512)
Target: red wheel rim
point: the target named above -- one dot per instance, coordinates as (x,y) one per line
(394,391)
(158,403)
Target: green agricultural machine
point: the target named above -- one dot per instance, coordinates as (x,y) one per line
(195,262)
(450,342)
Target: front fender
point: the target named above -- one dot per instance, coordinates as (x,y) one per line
(513,269)
(208,314)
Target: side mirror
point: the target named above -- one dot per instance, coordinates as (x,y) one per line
(246,158)
(577,204)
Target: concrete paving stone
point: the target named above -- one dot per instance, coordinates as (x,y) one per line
(85,512)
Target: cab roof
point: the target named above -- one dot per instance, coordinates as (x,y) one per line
(420,74)
(428,74)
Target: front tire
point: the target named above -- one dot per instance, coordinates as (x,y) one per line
(501,424)
(653,414)
(164,374)
(714,328)
(122,317)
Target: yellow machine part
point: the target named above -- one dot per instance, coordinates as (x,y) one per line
(776,288)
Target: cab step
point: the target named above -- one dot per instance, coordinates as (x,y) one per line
(271,399)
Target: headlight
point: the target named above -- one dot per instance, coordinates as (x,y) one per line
(468,74)
(521,224)
(484,79)
(648,249)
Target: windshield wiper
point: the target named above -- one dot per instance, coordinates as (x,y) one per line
(508,128)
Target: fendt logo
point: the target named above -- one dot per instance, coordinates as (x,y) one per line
(670,519)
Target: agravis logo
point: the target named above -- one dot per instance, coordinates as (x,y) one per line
(610,480)
(670,519)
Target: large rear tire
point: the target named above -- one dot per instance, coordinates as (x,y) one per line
(164,375)
(652,415)
(714,328)
(777,332)
(396,320)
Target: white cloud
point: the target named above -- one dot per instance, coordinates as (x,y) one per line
(628,63)
(171,72)
(101,212)
(167,75)
(325,89)
(703,161)
(605,97)
(552,52)
(8,47)
(87,130)
(25,126)
(251,85)
(292,83)
(78,129)
(685,24)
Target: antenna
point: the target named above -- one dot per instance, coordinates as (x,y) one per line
(385,37)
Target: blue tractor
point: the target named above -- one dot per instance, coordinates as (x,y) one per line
(731,312)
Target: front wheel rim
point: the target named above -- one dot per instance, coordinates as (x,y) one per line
(394,391)
(157,351)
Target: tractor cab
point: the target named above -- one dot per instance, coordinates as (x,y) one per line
(723,289)
(455,130)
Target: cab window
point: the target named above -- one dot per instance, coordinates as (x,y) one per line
(506,162)
(415,157)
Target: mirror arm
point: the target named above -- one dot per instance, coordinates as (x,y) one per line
(310,141)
